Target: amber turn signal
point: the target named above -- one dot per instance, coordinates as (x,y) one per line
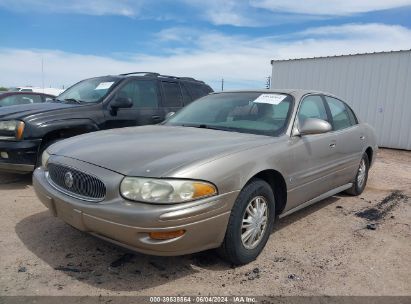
(20,130)
(203,189)
(166,235)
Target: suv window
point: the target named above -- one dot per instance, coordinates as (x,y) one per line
(339,113)
(143,93)
(172,94)
(197,90)
(186,96)
(312,107)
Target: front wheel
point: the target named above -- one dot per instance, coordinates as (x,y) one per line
(250,223)
(361,178)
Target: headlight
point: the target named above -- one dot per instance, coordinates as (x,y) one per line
(12,128)
(165,191)
(45,159)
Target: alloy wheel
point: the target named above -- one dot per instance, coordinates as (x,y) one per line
(254,223)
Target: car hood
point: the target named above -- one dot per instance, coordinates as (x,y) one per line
(23,111)
(154,151)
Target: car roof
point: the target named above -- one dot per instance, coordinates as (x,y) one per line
(294,92)
(24,93)
(155,75)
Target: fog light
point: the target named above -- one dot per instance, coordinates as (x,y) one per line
(4,155)
(166,235)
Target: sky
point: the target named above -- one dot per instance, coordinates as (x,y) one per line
(209,40)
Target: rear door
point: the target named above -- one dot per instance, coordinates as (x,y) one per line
(145,96)
(314,155)
(349,140)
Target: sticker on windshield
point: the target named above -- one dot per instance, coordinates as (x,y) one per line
(104,85)
(274,99)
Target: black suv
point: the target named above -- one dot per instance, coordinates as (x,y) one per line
(93,104)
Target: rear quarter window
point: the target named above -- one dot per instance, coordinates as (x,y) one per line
(197,90)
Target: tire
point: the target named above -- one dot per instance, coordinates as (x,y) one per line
(233,249)
(360,181)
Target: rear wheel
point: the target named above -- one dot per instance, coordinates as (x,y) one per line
(250,223)
(361,178)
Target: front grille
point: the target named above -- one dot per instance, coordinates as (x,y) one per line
(76,183)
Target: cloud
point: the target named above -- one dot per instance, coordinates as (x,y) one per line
(249,13)
(329,7)
(86,7)
(244,62)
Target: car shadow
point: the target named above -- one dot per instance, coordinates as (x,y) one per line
(10,181)
(298,215)
(103,265)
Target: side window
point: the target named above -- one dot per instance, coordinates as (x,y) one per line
(172,94)
(143,93)
(353,118)
(312,107)
(20,99)
(196,90)
(7,101)
(339,113)
(31,98)
(186,96)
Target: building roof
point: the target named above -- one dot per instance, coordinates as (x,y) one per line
(337,56)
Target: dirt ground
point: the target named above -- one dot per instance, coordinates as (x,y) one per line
(325,249)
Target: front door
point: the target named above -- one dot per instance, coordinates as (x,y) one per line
(146,105)
(314,156)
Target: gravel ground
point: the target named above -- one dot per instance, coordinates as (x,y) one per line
(340,246)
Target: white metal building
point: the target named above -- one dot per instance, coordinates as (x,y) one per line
(376,85)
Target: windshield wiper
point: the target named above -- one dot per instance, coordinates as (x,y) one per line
(211,127)
(73,100)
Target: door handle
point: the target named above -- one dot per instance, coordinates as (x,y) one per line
(156,117)
(362,137)
(332,146)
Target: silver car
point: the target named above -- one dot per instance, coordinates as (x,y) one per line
(215,175)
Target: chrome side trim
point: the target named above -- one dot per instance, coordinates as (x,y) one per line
(64,191)
(317,199)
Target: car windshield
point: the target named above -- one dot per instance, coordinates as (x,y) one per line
(89,90)
(248,112)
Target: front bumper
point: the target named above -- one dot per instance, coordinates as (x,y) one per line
(128,224)
(22,155)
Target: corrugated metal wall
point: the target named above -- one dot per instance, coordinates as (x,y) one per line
(377,86)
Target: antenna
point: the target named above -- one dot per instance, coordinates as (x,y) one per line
(222,84)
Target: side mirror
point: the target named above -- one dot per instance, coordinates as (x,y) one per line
(169,114)
(314,126)
(121,102)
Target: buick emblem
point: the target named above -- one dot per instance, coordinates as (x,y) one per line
(68,179)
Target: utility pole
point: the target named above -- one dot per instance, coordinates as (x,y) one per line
(222,84)
(268,83)
(42,72)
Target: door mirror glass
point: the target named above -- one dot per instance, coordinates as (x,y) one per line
(169,114)
(121,102)
(314,126)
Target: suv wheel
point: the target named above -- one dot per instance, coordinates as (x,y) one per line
(250,223)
